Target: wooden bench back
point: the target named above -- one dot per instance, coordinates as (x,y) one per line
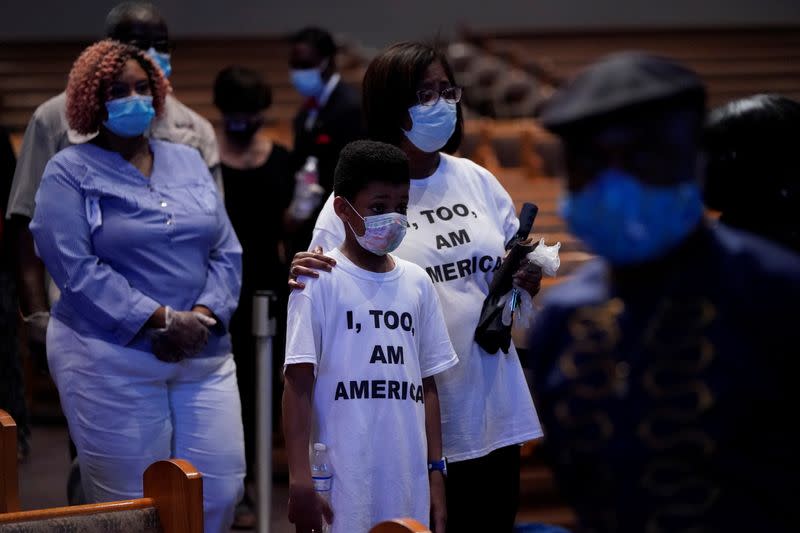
(400,525)
(172,502)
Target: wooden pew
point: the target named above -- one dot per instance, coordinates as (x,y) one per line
(734,62)
(32,72)
(172,502)
(512,143)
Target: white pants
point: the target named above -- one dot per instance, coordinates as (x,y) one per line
(126,410)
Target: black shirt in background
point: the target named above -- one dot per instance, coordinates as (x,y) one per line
(255,200)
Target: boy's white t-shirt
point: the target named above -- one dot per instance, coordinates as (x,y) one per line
(460,219)
(372,337)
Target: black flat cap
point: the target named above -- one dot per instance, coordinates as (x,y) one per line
(619,82)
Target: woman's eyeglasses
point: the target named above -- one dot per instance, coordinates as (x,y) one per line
(431,97)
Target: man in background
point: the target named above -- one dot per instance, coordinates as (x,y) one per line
(329,119)
(141,25)
(47,133)
(662,369)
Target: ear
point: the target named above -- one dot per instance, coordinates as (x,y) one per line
(340,206)
(346,214)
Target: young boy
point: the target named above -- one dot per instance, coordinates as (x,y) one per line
(363,344)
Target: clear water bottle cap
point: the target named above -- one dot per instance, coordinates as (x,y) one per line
(319,447)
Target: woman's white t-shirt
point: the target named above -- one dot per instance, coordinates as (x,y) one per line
(372,338)
(460,219)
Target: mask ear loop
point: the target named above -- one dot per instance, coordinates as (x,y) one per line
(358,215)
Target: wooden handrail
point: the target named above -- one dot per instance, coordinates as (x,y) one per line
(77,510)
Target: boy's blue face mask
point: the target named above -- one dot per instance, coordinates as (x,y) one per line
(130,116)
(626,221)
(162,60)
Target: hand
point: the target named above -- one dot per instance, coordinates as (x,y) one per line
(307,509)
(205,311)
(36,326)
(185,335)
(165,349)
(529,278)
(438,502)
(307,264)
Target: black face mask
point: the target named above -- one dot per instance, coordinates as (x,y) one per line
(242,130)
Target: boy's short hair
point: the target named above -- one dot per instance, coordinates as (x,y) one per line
(365,162)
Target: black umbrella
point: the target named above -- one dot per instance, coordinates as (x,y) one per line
(491,334)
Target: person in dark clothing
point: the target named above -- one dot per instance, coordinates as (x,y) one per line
(12,397)
(329,119)
(258,186)
(662,369)
(752,174)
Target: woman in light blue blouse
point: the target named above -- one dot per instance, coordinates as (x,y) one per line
(134,234)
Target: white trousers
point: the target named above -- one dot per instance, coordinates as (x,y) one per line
(126,410)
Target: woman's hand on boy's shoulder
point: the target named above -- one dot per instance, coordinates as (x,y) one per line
(438,502)
(308,264)
(307,509)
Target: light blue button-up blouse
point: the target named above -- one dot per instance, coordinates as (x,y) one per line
(119,244)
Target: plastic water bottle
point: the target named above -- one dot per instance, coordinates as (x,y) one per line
(322,475)
(308,192)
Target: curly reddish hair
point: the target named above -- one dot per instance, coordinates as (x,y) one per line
(91,77)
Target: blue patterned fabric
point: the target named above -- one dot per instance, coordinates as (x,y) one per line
(667,403)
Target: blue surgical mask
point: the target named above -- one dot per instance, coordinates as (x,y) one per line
(432,125)
(626,221)
(130,116)
(308,81)
(382,233)
(162,60)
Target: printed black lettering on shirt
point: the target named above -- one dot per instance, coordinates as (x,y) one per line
(445,213)
(463,268)
(379,389)
(392,356)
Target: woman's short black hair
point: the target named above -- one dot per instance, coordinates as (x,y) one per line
(364,162)
(751,144)
(319,39)
(241,90)
(390,88)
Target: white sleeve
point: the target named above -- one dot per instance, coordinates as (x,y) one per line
(328,230)
(303,329)
(436,352)
(42,140)
(506,212)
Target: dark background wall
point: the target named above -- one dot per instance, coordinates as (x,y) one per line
(377,22)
